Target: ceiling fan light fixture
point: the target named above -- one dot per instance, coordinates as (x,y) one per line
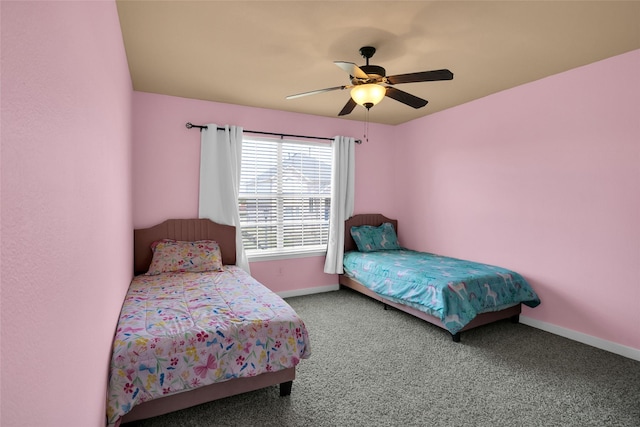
(370,84)
(368,95)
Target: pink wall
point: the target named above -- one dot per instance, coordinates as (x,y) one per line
(66,208)
(166,158)
(543,179)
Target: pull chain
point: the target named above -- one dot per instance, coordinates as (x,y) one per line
(366,126)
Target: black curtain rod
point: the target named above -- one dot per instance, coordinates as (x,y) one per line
(189,125)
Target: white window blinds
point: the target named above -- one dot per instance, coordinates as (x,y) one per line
(285,196)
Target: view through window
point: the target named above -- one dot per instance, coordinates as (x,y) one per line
(285,195)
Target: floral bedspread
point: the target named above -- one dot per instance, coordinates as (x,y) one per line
(451,289)
(179,331)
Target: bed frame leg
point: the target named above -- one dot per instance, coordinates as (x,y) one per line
(285,388)
(386,307)
(455,337)
(515,319)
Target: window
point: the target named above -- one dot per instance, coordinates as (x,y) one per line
(285,196)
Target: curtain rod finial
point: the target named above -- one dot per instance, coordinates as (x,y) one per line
(189,125)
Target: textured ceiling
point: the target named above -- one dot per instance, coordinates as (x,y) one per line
(255,53)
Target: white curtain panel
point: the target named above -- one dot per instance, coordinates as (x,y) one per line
(220,159)
(342,197)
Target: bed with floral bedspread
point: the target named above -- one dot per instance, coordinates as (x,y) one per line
(168,341)
(180,331)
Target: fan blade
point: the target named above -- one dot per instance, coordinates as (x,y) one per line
(423,76)
(406,98)
(313,92)
(352,69)
(349,106)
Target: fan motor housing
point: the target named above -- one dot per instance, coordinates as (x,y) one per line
(374,70)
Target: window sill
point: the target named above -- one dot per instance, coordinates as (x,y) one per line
(274,256)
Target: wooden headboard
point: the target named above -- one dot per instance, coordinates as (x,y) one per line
(363,219)
(188,230)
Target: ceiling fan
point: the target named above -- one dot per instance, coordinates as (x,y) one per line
(370,84)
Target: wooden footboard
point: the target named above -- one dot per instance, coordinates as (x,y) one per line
(194,397)
(482,319)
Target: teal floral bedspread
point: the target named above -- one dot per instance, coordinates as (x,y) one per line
(453,290)
(180,331)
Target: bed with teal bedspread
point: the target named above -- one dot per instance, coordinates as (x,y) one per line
(453,290)
(454,294)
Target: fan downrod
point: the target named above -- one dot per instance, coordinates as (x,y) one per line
(367,52)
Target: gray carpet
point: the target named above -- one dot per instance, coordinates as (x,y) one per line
(371,367)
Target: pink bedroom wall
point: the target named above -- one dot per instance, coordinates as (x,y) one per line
(166,159)
(543,179)
(66,208)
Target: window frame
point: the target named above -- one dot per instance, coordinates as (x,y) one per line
(288,252)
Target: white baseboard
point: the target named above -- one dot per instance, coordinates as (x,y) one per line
(308,291)
(622,350)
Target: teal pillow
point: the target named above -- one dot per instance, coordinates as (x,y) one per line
(369,238)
